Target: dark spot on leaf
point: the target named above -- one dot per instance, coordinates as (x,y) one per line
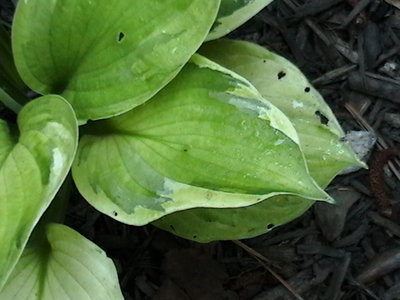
(172,227)
(324,120)
(195,236)
(121,37)
(281,74)
(307,89)
(185,150)
(115,213)
(264,61)
(269,226)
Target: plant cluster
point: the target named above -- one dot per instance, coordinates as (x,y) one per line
(160,121)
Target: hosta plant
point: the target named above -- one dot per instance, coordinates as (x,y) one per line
(220,144)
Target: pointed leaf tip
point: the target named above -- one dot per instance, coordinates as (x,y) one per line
(206,140)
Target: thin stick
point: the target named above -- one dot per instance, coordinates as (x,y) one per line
(9,102)
(264,261)
(381,142)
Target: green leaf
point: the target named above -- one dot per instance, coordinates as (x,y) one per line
(232,14)
(283,84)
(11,85)
(106,57)
(326,154)
(206,140)
(212,224)
(33,166)
(7,65)
(65,266)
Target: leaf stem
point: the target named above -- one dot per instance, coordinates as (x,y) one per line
(9,102)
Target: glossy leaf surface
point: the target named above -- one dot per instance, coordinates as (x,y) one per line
(33,165)
(233,13)
(65,266)
(207,140)
(107,56)
(284,85)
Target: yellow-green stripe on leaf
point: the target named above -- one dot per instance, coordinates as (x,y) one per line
(206,140)
(232,14)
(320,136)
(33,165)
(107,56)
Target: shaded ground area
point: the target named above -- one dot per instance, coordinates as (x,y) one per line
(350,50)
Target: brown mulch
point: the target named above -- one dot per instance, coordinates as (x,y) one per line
(350,50)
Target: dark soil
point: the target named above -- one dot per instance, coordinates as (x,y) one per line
(350,50)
